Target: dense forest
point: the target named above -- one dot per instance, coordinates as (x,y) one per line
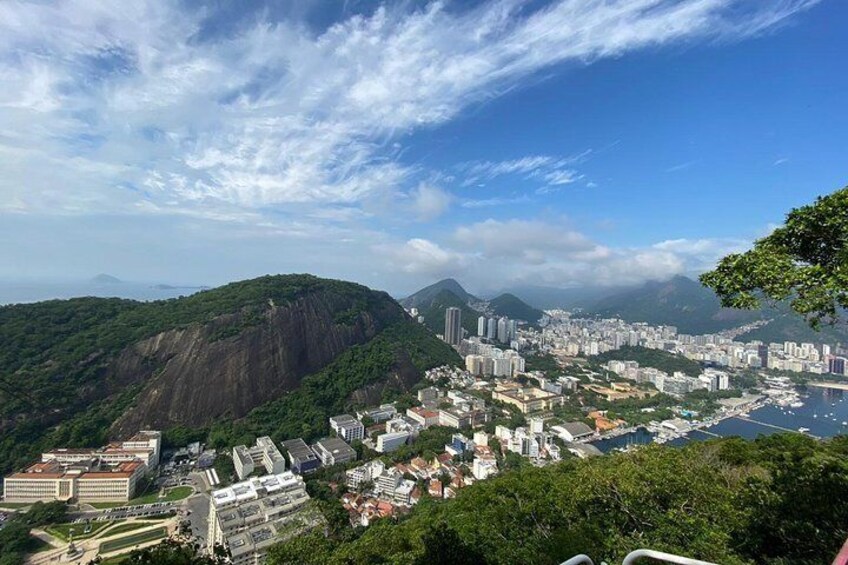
(778,500)
(15,538)
(656,358)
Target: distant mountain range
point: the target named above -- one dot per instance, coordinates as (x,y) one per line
(431,302)
(679,301)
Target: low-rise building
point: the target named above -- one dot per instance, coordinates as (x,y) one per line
(302,459)
(333,450)
(572,431)
(105,474)
(264,453)
(391,441)
(423,416)
(526,399)
(347,427)
(91,481)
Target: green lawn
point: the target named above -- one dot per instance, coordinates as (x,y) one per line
(133,539)
(62,531)
(128,527)
(172,495)
(114,560)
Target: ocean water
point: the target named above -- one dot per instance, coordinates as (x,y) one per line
(25,292)
(823,413)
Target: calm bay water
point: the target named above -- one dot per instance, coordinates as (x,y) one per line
(25,292)
(823,412)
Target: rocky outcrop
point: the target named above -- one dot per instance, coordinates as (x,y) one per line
(227,367)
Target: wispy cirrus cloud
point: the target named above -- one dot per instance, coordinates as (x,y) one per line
(272,112)
(173,113)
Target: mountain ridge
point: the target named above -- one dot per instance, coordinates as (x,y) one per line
(83,371)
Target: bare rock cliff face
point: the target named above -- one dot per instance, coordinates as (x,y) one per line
(193,376)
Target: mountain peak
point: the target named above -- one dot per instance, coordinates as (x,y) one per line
(103,278)
(424,297)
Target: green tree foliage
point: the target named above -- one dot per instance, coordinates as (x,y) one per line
(656,358)
(543,362)
(514,308)
(806,259)
(776,500)
(15,539)
(172,552)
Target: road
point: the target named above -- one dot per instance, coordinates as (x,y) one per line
(198,516)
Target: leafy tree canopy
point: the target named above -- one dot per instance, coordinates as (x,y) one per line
(806,259)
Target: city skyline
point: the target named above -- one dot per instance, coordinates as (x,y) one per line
(395,145)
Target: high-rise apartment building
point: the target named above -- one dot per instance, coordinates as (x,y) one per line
(503,330)
(491,328)
(453,325)
(481,326)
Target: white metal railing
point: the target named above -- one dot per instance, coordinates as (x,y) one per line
(634,556)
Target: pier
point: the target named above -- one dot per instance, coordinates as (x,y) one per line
(835,386)
(781,428)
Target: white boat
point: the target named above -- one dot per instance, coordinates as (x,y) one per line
(803,430)
(796,404)
(844,423)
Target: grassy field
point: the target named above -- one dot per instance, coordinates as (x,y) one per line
(62,531)
(172,495)
(128,527)
(133,539)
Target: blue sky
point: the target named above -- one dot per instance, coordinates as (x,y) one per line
(506,143)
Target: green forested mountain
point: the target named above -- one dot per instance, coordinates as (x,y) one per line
(695,309)
(74,372)
(514,308)
(434,314)
(679,302)
(777,500)
(425,297)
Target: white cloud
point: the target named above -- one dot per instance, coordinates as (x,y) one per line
(498,254)
(702,254)
(429,202)
(273,113)
(423,257)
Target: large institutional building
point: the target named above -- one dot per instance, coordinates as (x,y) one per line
(106,474)
(251,516)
